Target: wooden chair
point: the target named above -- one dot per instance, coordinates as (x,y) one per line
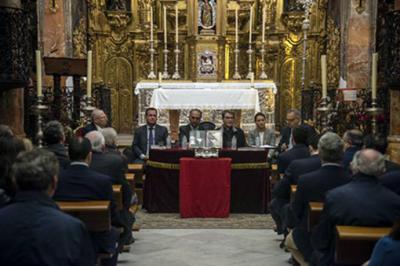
(354,244)
(117,195)
(137,170)
(314,213)
(130,177)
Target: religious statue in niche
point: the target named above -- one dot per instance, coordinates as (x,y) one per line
(207,16)
(207,64)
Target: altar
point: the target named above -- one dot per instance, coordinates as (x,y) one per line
(211,97)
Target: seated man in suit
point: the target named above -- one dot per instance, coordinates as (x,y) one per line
(54,138)
(34,230)
(78,182)
(194,124)
(299,150)
(113,165)
(353,141)
(312,187)
(293,119)
(391,180)
(379,143)
(281,192)
(232,137)
(261,135)
(148,135)
(362,202)
(99,121)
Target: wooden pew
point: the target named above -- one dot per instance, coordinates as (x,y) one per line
(293,189)
(130,177)
(354,244)
(94,214)
(117,195)
(137,169)
(314,213)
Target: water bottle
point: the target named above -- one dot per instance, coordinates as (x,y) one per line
(234,143)
(168,144)
(184,142)
(258,144)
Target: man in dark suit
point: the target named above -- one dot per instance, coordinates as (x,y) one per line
(281,192)
(353,141)
(194,124)
(54,137)
(299,150)
(312,187)
(293,119)
(362,202)
(391,180)
(99,121)
(114,166)
(379,143)
(232,137)
(78,182)
(148,135)
(34,230)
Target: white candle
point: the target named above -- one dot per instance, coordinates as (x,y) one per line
(250,23)
(236,25)
(39,73)
(165,25)
(263,23)
(252,79)
(159,77)
(151,23)
(374,74)
(89,74)
(323,76)
(176,24)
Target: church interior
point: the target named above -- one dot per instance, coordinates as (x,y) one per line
(200,132)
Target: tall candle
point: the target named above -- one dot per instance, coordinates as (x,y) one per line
(89,74)
(176,24)
(236,25)
(323,76)
(151,23)
(250,23)
(165,25)
(39,73)
(252,79)
(374,74)
(263,23)
(159,77)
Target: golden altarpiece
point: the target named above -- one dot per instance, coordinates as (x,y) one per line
(119,35)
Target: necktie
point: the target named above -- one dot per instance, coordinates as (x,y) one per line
(151,136)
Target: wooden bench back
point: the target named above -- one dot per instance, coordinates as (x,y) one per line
(314,213)
(117,195)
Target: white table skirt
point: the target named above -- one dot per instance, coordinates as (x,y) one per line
(211,99)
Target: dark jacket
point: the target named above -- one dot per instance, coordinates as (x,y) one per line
(391,180)
(88,128)
(295,169)
(391,166)
(286,132)
(348,156)
(228,134)
(184,131)
(362,202)
(299,151)
(35,232)
(386,252)
(139,145)
(60,151)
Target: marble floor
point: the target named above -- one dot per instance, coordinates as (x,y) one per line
(205,247)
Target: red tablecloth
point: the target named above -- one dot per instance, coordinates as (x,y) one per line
(205,187)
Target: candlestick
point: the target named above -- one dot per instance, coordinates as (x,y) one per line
(323,76)
(236,25)
(151,23)
(176,24)
(39,73)
(263,24)
(165,25)
(89,74)
(374,74)
(250,23)
(252,79)
(151,75)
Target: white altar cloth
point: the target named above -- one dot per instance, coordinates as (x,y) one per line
(210,99)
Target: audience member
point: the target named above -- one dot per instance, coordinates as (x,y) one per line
(53,138)
(194,124)
(78,182)
(5,131)
(362,202)
(261,135)
(293,120)
(281,192)
(353,141)
(35,231)
(148,135)
(232,137)
(379,143)
(114,166)
(299,150)
(387,249)
(312,187)
(391,180)
(99,121)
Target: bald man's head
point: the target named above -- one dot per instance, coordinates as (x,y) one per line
(369,162)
